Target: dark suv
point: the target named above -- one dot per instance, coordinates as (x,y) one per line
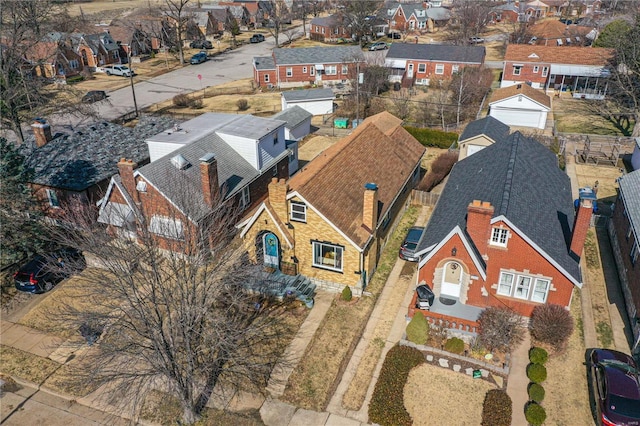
(43,272)
(201,44)
(256,38)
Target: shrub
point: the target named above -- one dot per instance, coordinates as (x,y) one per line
(196,103)
(346,294)
(535,414)
(496,409)
(418,329)
(551,324)
(537,373)
(536,392)
(432,137)
(500,329)
(181,100)
(454,345)
(387,401)
(440,168)
(242,104)
(538,355)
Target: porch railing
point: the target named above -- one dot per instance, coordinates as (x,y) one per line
(441,320)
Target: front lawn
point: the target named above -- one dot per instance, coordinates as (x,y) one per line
(575,116)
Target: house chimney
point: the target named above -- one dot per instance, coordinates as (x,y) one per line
(278,198)
(370,206)
(42,131)
(125,168)
(479,214)
(209,177)
(581,225)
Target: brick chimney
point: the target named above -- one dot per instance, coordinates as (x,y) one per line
(583,220)
(479,214)
(42,131)
(278,198)
(370,206)
(125,168)
(209,177)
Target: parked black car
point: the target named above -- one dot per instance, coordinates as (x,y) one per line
(616,387)
(408,247)
(94,96)
(201,44)
(256,38)
(43,272)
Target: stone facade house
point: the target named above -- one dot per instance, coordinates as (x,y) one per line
(330,221)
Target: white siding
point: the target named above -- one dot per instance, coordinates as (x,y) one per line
(268,150)
(299,132)
(318,107)
(160,149)
(247,148)
(519,110)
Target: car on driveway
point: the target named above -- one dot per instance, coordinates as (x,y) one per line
(616,387)
(408,247)
(256,38)
(44,271)
(94,96)
(378,45)
(476,40)
(201,44)
(121,70)
(198,58)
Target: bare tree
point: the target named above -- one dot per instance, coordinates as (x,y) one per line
(375,80)
(471,19)
(355,15)
(500,328)
(231,25)
(278,15)
(469,87)
(178,13)
(401,104)
(177,309)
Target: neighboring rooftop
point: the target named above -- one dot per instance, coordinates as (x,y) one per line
(630,190)
(439,52)
(308,94)
(317,55)
(521,89)
(491,127)
(558,54)
(264,63)
(293,116)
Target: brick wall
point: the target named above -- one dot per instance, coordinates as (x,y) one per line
(630,271)
(527,72)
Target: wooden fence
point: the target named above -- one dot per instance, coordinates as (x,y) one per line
(424,198)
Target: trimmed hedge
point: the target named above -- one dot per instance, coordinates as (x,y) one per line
(536,392)
(537,373)
(538,355)
(432,137)
(418,329)
(387,402)
(347,295)
(497,408)
(454,345)
(535,414)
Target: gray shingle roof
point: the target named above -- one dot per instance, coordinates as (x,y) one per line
(437,52)
(630,192)
(264,63)
(495,129)
(326,21)
(522,181)
(308,95)
(90,154)
(293,116)
(317,55)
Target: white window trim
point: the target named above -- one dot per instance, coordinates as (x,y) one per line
(521,279)
(455,68)
(52,197)
(331,70)
(517,69)
(302,212)
(345,69)
(266,78)
(312,71)
(545,71)
(500,283)
(546,292)
(535,69)
(289,72)
(532,289)
(439,69)
(335,260)
(496,236)
(422,68)
(245,197)
(304,70)
(166,227)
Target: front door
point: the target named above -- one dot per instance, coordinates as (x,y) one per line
(410,71)
(271,250)
(451,280)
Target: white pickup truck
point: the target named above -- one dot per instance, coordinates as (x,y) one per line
(122,70)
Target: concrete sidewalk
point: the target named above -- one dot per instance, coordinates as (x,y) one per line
(28,340)
(518,381)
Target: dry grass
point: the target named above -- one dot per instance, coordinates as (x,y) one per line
(114,7)
(71,379)
(433,394)
(606,176)
(25,365)
(574,116)
(598,291)
(315,378)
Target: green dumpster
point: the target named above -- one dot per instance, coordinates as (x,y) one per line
(340,123)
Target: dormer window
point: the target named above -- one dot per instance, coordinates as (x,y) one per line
(499,237)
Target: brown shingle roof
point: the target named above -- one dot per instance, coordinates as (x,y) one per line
(379,151)
(521,89)
(558,54)
(550,29)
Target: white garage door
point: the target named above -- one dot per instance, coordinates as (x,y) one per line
(512,117)
(472,149)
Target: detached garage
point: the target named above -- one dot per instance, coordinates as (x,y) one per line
(520,105)
(316,101)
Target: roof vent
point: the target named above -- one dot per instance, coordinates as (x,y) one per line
(180,162)
(207,158)
(519,86)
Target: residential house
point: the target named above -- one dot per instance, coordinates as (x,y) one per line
(624,232)
(195,167)
(581,70)
(328,29)
(419,63)
(315,101)
(507,12)
(96,49)
(520,105)
(331,220)
(479,134)
(53,57)
(255,10)
(76,167)
(551,32)
(535,9)
(503,233)
(298,122)
(292,67)
(412,17)
(137,34)
(237,10)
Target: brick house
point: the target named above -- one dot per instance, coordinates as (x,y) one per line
(331,220)
(419,63)
(414,17)
(328,29)
(508,12)
(503,233)
(292,67)
(551,32)
(581,70)
(624,232)
(209,161)
(53,57)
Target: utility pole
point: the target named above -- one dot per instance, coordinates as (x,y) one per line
(133,91)
(357,92)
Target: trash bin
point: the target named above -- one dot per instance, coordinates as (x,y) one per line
(356,123)
(340,123)
(396,86)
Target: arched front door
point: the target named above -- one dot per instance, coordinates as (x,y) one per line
(271,250)
(451,280)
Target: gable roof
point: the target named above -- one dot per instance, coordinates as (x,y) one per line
(294,116)
(380,151)
(326,21)
(308,94)
(317,55)
(491,127)
(521,89)
(552,29)
(437,52)
(558,54)
(264,63)
(90,155)
(522,181)
(630,192)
